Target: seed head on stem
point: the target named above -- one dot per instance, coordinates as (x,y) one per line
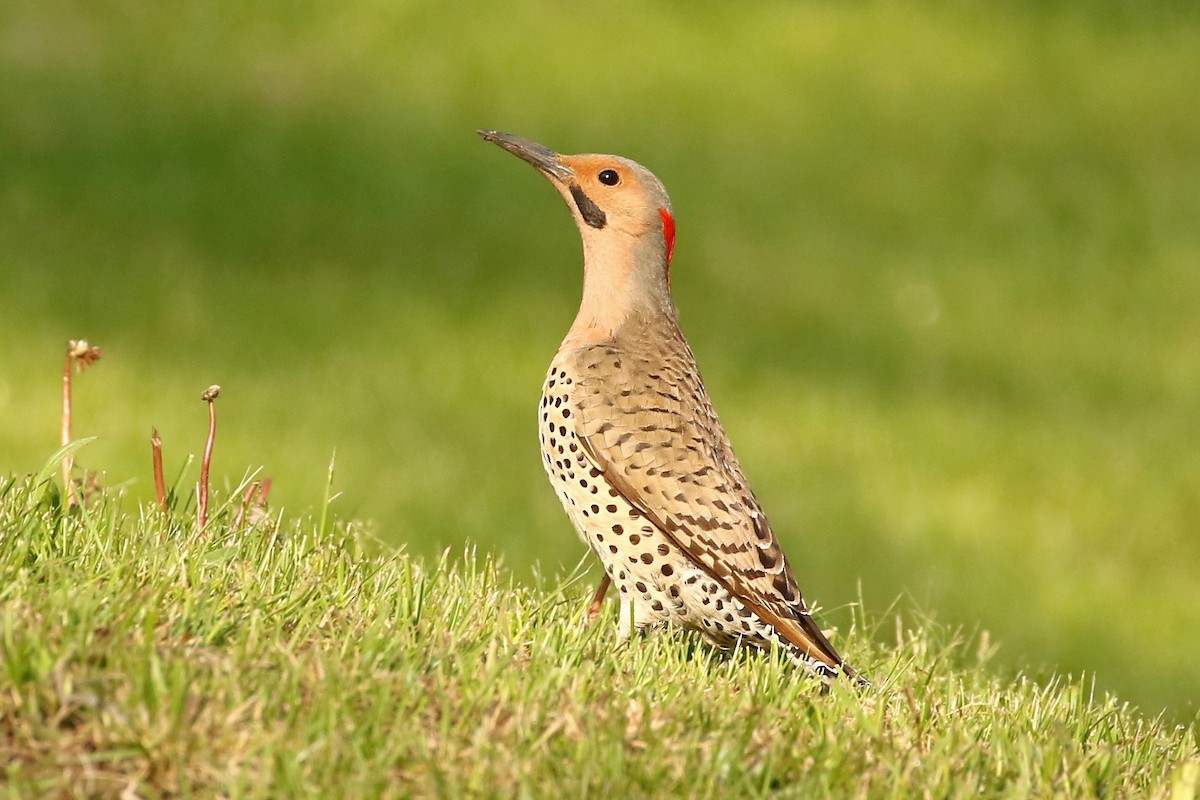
(160,485)
(79,355)
(210,395)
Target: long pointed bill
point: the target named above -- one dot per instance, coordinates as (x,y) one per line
(545,159)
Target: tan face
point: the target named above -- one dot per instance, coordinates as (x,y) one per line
(625,194)
(608,194)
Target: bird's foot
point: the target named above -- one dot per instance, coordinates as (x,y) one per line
(598,599)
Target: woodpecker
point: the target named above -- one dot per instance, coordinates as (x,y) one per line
(631,442)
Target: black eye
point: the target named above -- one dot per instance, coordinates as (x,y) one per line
(609,177)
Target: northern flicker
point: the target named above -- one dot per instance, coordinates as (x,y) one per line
(632,445)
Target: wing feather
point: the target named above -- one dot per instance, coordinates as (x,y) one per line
(649,427)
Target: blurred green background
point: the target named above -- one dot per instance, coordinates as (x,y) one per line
(940,262)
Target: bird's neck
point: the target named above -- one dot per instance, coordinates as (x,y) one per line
(624,282)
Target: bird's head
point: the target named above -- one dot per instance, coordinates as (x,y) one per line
(619,206)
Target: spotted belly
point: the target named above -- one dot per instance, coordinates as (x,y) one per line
(657,582)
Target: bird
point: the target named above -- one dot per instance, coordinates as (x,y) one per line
(633,447)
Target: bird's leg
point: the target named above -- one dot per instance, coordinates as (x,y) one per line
(598,599)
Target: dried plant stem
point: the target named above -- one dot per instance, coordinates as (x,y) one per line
(80,354)
(160,485)
(255,497)
(251,490)
(68,461)
(210,395)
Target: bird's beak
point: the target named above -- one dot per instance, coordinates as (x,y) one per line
(548,162)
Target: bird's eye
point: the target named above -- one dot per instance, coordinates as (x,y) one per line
(609,177)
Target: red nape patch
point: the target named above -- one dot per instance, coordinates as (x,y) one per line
(668,232)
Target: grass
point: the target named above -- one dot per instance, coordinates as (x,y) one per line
(281,659)
(937,261)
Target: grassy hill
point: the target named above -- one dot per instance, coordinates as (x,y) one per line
(298,658)
(938,261)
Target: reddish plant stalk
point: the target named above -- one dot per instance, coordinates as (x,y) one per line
(246,499)
(68,461)
(210,395)
(160,485)
(80,354)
